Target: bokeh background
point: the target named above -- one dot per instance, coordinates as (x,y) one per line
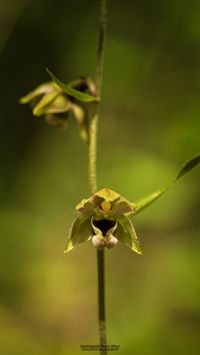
(149,126)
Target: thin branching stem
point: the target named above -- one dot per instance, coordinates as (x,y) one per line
(93,170)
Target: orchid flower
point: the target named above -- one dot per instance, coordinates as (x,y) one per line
(106,216)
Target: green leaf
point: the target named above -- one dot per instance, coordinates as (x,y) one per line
(146,201)
(72,92)
(126,234)
(80,231)
(189,164)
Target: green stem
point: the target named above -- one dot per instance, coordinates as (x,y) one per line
(96,105)
(93,150)
(101,45)
(101,302)
(93,171)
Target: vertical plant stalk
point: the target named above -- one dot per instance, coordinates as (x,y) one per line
(93,170)
(96,105)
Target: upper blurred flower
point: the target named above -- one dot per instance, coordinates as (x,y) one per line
(51,101)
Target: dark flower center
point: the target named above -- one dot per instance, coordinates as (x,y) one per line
(104,225)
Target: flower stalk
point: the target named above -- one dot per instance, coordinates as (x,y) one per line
(96,105)
(93,170)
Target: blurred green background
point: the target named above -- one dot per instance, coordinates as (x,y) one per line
(149,126)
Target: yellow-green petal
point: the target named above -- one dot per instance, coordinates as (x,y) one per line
(60,105)
(44,103)
(80,232)
(85,207)
(39,91)
(123,206)
(126,234)
(81,118)
(104,194)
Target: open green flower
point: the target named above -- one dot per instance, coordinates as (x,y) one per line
(106,216)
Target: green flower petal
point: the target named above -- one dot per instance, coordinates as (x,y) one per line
(60,105)
(126,234)
(81,118)
(39,91)
(123,206)
(104,194)
(44,103)
(107,194)
(80,231)
(85,207)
